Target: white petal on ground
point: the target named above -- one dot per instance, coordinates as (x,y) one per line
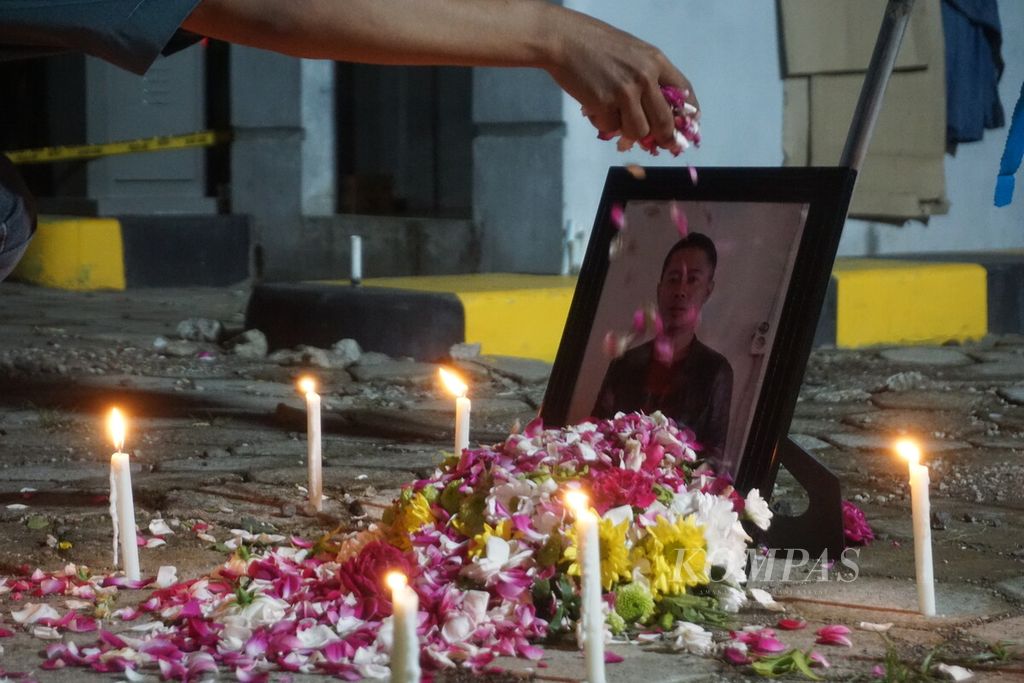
(955,673)
(765,599)
(32,612)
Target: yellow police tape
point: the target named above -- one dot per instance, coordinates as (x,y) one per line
(160,143)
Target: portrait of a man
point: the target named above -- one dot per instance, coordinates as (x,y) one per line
(676,372)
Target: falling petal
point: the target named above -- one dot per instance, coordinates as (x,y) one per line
(618,216)
(615,247)
(693,174)
(639,321)
(679,218)
(638,172)
(663,350)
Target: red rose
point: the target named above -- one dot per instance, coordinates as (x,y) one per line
(363,576)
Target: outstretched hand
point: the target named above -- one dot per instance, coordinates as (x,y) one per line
(616,77)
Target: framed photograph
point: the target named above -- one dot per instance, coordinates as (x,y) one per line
(699,296)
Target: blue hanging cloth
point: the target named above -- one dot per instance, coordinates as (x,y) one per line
(1011,154)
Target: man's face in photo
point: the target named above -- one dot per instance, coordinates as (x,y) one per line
(684,287)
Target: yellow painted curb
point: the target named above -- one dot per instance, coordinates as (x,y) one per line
(887,302)
(508,314)
(75,253)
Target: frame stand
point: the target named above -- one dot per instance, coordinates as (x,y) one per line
(820,528)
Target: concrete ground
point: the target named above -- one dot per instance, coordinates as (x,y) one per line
(218,437)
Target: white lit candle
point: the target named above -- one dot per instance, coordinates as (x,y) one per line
(455,385)
(921,509)
(314,464)
(588,555)
(357,259)
(405,650)
(122,504)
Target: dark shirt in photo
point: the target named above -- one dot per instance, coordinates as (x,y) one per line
(695,391)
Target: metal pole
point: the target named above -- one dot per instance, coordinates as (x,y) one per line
(890,35)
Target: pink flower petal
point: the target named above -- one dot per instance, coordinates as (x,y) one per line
(819,659)
(612,658)
(679,218)
(834,635)
(301,543)
(791,624)
(618,217)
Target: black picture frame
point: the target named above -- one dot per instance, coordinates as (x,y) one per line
(824,194)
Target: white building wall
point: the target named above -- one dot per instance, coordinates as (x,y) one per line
(730,51)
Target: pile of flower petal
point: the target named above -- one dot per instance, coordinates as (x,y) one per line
(487,545)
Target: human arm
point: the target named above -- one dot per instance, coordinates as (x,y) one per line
(612,74)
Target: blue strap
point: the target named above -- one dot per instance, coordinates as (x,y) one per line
(1011,154)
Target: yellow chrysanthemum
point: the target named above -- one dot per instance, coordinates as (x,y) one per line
(615,564)
(675,554)
(409,518)
(503,530)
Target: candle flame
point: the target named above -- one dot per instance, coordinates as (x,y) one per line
(577,501)
(909,450)
(453,382)
(117,428)
(396,580)
(307,385)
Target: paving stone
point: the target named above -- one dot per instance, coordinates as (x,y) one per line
(401,372)
(812,410)
(1011,443)
(1009,418)
(639,664)
(1011,339)
(985,356)
(916,399)
(1011,629)
(1014,588)
(926,355)
(411,424)
(232,463)
(1014,395)
(902,381)
(880,442)
(482,408)
(808,442)
(813,427)
(352,479)
(957,600)
(838,395)
(1008,369)
(917,422)
(522,370)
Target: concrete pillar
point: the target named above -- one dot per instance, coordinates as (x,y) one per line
(168,100)
(283,155)
(518,193)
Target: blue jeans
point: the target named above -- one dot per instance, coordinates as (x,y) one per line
(17,217)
